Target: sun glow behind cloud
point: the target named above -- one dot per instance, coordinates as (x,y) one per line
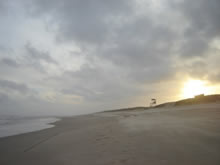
(192,88)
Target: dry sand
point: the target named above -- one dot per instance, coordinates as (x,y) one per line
(173,136)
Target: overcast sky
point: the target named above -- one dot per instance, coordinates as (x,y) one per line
(80,56)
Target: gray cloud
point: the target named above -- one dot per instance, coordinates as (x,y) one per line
(9,62)
(203,25)
(34,54)
(3,6)
(98,84)
(13,86)
(3,98)
(83,21)
(203,16)
(117,33)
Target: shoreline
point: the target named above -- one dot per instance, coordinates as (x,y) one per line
(18,126)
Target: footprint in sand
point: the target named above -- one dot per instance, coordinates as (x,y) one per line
(119,162)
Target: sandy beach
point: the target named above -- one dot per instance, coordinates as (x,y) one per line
(188,135)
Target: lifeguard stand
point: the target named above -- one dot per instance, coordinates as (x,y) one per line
(153,102)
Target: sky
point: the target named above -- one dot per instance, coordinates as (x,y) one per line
(73,57)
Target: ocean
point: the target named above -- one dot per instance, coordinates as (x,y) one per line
(10,126)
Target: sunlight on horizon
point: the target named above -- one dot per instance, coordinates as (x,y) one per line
(192,88)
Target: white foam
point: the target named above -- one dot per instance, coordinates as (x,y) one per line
(15,126)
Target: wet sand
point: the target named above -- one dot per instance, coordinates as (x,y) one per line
(187,135)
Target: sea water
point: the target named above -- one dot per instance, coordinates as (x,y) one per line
(17,125)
